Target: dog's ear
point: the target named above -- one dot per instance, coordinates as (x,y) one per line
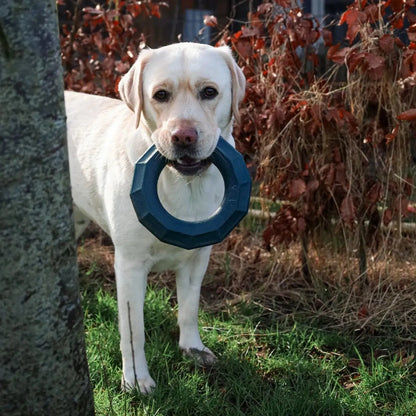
(237,77)
(130,86)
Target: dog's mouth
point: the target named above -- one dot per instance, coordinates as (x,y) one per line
(189,166)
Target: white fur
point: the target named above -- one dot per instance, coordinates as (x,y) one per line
(105,139)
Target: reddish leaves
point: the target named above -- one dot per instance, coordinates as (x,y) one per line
(354,19)
(287,226)
(368,62)
(297,188)
(409,115)
(320,156)
(363,19)
(336,54)
(348,211)
(374,65)
(102,43)
(387,216)
(396,5)
(387,43)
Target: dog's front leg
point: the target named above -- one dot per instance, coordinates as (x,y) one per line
(131,276)
(188,280)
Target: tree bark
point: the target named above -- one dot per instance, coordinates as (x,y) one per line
(43,366)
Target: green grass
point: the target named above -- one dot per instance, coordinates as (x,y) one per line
(262,370)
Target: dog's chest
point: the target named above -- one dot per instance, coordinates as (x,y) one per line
(166,257)
(193,199)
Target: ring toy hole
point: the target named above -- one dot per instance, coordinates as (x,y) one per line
(167,196)
(186,234)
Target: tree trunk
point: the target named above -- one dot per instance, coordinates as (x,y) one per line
(43,367)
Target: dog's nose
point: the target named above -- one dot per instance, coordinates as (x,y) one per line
(184,136)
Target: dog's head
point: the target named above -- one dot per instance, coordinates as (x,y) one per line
(185,95)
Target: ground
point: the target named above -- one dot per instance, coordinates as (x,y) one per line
(286,345)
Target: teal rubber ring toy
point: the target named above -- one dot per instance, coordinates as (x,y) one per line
(186,234)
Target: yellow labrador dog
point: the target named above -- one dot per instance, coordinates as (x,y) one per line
(181,98)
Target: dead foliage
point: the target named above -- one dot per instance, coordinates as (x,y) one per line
(99,44)
(243,272)
(336,149)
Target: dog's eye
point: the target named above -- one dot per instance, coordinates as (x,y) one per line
(162,96)
(208,93)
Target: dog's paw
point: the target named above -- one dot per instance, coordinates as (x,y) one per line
(202,358)
(145,385)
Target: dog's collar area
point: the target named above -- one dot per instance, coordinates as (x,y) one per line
(188,166)
(186,234)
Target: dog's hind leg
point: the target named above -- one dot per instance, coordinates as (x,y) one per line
(81,222)
(188,281)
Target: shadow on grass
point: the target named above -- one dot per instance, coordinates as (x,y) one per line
(237,387)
